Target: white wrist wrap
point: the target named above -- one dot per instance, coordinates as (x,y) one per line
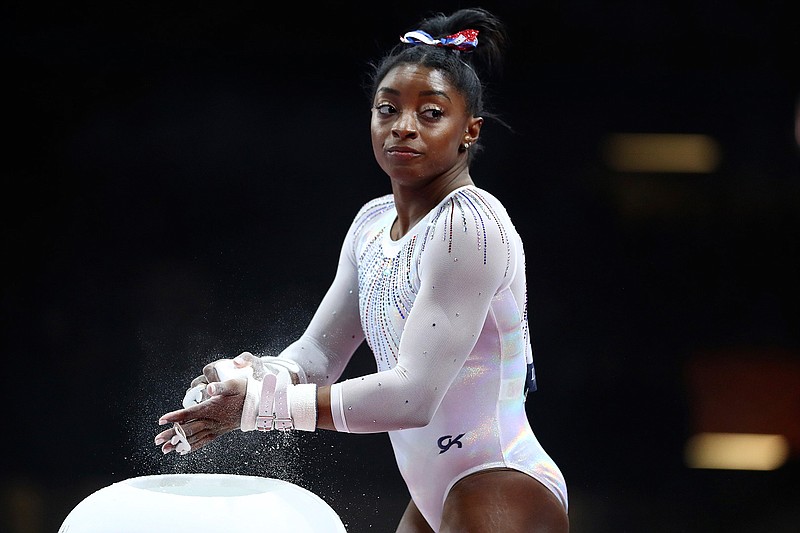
(275,403)
(303,406)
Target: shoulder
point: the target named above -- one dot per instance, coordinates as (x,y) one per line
(470,227)
(375,207)
(369,212)
(473,210)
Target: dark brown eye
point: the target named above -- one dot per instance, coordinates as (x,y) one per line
(432,113)
(385,109)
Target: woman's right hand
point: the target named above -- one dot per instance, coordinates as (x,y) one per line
(204,422)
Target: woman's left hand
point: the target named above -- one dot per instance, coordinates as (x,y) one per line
(204,422)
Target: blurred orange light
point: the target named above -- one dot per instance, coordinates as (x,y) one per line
(744,409)
(662,152)
(736,451)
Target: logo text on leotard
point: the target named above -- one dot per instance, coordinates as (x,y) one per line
(447,441)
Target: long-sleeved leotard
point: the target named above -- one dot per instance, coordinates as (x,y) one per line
(444,311)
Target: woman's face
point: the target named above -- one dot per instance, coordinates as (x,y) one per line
(419,121)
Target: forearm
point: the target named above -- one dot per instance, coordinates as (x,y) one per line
(324,417)
(319,362)
(334,332)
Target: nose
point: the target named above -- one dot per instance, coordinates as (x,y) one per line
(405,127)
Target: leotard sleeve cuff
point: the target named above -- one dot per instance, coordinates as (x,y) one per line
(337,409)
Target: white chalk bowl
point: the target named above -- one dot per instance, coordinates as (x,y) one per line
(184,503)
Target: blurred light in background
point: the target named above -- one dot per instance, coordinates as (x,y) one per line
(736,451)
(661,152)
(745,408)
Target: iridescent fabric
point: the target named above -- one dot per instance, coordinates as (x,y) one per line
(444,311)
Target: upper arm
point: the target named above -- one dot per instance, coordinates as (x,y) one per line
(464,263)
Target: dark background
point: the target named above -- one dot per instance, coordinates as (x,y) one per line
(178,177)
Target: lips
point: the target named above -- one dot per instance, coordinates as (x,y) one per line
(402,152)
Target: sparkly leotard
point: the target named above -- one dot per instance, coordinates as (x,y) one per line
(444,311)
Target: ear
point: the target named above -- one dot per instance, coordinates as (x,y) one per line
(473,129)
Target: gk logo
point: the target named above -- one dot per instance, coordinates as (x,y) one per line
(447,441)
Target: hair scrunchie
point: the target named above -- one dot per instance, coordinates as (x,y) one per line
(465,40)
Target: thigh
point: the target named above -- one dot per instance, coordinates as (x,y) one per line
(413,521)
(502,500)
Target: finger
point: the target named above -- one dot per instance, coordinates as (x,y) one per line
(167,447)
(210,372)
(204,435)
(206,439)
(243,359)
(163,437)
(194,428)
(181,415)
(172,416)
(197,381)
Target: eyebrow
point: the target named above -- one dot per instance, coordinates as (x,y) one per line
(432,92)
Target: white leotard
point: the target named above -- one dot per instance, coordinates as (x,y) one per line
(444,311)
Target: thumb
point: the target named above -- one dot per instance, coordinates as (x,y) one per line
(229,387)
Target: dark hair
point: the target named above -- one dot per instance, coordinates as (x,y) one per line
(464,70)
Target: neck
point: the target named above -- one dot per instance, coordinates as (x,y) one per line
(414,202)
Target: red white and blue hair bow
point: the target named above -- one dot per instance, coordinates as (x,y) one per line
(465,40)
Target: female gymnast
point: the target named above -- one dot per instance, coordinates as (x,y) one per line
(432,276)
